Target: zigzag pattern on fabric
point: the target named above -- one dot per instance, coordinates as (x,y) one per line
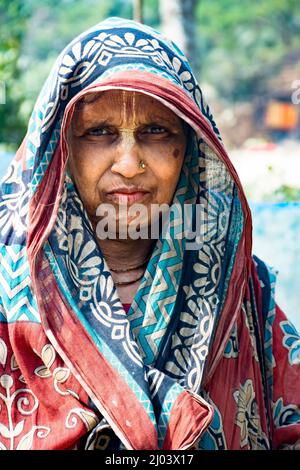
(18,301)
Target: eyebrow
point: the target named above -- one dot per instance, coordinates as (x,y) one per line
(157,117)
(154,117)
(94,124)
(85,101)
(91,124)
(96,121)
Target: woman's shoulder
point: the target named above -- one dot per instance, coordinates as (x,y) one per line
(264,270)
(264,280)
(266,275)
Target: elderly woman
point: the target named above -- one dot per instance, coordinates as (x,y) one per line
(111,340)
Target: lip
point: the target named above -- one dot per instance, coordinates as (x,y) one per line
(127,195)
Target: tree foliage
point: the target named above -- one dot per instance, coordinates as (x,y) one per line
(13,17)
(243,44)
(240,45)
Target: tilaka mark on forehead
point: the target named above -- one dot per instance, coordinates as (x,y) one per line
(129,106)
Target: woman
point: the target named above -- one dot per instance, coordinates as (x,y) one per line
(111,341)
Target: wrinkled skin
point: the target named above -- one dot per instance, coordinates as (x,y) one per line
(110,133)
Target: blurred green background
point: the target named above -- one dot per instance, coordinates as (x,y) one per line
(238,48)
(246,56)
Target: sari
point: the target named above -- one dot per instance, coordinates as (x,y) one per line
(204,358)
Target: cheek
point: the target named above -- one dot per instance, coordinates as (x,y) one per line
(167,178)
(86,171)
(86,166)
(176,153)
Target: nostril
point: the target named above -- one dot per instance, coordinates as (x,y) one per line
(127,168)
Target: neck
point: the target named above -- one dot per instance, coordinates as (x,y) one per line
(125,253)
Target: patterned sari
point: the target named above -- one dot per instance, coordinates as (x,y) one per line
(203,359)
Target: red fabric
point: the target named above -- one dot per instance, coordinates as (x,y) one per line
(39,377)
(189,419)
(286,384)
(177,98)
(75,346)
(126,307)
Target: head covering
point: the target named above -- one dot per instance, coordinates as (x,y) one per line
(86,364)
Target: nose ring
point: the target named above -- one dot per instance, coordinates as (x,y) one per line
(142,164)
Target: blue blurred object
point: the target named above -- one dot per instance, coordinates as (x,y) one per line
(276,240)
(5,159)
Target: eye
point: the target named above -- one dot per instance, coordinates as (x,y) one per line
(154,129)
(153,132)
(99,131)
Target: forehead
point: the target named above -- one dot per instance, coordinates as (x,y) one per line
(123,105)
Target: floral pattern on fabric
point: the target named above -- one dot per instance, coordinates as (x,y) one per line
(76,371)
(14,391)
(248,419)
(285,415)
(233,346)
(291,341)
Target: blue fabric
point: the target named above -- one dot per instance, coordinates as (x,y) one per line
(174,317)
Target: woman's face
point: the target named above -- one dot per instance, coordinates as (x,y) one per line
(110,133)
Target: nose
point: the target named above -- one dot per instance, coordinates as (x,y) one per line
(127,156)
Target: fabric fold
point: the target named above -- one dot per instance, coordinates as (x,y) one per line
(77,370)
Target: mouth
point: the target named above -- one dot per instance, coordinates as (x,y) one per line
(127,195)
